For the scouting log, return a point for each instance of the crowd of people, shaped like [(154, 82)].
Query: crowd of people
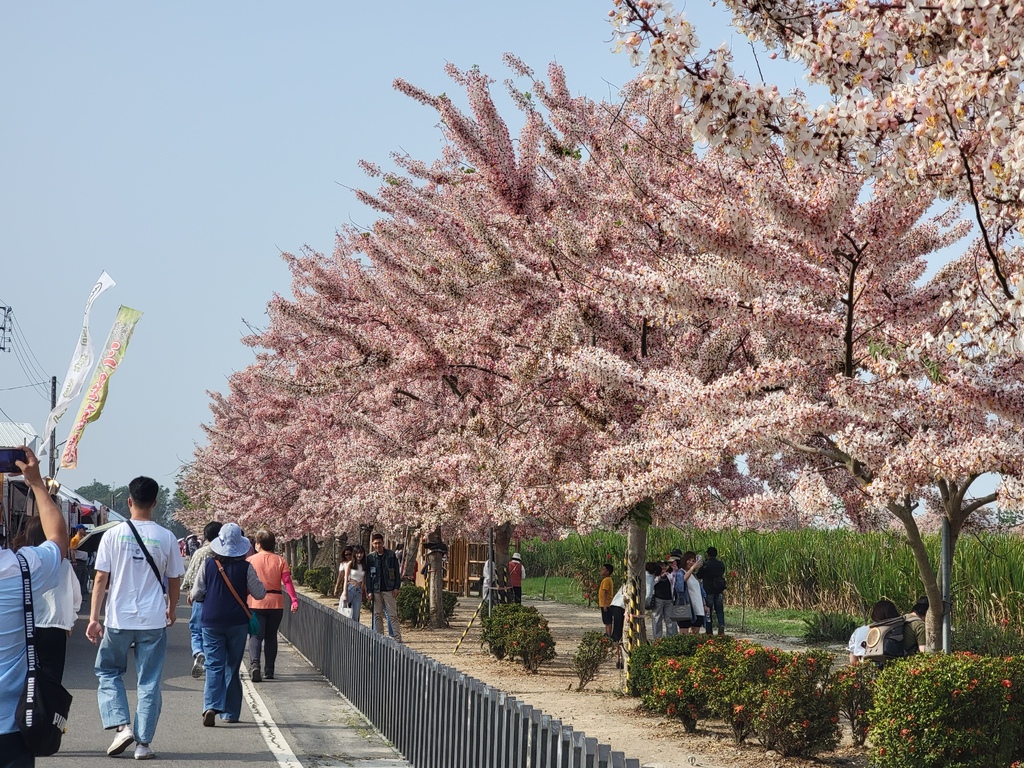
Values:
[(373, 578), (235, 589)]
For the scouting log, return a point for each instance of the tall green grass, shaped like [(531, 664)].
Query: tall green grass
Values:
[(819, 570)]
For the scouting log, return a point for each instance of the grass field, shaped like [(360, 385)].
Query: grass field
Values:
[(773, 621)]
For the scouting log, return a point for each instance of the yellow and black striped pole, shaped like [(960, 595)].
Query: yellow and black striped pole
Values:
[(634, 617), (468, 627), (423, 613)]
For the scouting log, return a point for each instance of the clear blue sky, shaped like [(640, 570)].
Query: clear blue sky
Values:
[(182, 146)]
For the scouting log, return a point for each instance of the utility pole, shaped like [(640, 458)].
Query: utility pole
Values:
[(53, 433), (5, 329)]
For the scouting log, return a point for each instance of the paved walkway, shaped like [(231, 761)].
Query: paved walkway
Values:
[(297, 719)]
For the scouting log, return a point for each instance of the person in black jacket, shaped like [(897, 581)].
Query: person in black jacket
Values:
[(712, 577), (383, 578)]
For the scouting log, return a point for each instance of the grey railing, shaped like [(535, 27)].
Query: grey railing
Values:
[(436, 716)]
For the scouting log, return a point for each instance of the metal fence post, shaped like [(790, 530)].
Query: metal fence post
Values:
[(433, 714)]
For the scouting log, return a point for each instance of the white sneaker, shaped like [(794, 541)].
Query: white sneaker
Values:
[(122, 740), (143, 752), (199, 666)]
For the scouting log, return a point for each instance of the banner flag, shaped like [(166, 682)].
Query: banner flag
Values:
[(96, 394), (81, 362)]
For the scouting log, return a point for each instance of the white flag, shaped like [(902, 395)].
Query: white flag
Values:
[(81, 364)]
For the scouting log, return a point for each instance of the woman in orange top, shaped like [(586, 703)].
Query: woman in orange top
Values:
[(275, 575)]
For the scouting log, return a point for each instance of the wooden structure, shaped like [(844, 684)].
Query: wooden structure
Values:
[(463, 568)]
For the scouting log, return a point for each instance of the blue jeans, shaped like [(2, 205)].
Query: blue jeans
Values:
[(195, 627), (112, 663), (224, 648), (355, 599), (717, 605)]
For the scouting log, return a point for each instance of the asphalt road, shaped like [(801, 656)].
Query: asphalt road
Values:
[(297, 719)]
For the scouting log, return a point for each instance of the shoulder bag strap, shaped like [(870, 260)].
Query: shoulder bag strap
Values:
[(149, 557), (231, 586), (30, 622)]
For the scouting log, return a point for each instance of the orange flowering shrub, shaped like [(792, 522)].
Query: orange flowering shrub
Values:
[(518, 632), (799, 713), (934, 711), (676, 691), (732, 674), (854, 688)]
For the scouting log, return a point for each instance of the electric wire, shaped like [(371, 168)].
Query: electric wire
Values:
[(19, 356), (30, 366), (22, 386), (38, 366)]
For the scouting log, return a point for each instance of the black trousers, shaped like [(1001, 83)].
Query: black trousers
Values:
[(270, 622), (14, 753), (52, 646)]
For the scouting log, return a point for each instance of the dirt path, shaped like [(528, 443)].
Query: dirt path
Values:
[(601, 710)]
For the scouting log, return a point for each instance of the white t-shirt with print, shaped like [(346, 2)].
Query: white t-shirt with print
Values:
[(136, 599)]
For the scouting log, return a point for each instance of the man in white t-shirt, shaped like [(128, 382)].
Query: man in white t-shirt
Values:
[(139, 610)]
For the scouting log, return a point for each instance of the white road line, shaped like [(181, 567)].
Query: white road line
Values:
[(271, 733)]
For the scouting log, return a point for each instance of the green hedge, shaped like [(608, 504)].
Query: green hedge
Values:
[(784, 698), (320, 579), (413, 610), (518, 632), (643, 658), (594, 650), (957, 711)]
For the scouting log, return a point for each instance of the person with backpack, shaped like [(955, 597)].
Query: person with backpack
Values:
[(888, 635), (712, 577)]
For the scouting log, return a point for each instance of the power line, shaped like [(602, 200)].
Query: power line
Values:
[(23, 386), (12, 337), (38, 365), (19, 356)]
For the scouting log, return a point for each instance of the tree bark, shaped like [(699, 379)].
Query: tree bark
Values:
[(410, 551), (925, 571), (635, 629), (502, 539), (435, 580)]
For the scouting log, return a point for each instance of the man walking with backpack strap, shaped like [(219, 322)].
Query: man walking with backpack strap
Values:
[(134, 559)]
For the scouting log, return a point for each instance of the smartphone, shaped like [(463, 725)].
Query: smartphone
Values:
[(7, 458)]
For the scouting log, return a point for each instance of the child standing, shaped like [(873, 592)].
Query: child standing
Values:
[(605, 592)]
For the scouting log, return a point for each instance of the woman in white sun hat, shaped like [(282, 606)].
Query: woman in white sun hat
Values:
[(223, 585), (516, 574)]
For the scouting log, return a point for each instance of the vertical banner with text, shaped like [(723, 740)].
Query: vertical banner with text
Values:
[(96, 394), (81, 362)]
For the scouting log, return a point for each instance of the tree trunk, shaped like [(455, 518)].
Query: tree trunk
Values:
[(502, 539), (290, 554), (435, 581), (926, 572), (410, 551), (635, 629), (312, 549)]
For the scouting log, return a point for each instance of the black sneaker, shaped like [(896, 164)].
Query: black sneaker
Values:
[(254, 673)]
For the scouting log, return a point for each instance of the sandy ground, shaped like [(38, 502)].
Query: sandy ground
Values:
[(601, 710)]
